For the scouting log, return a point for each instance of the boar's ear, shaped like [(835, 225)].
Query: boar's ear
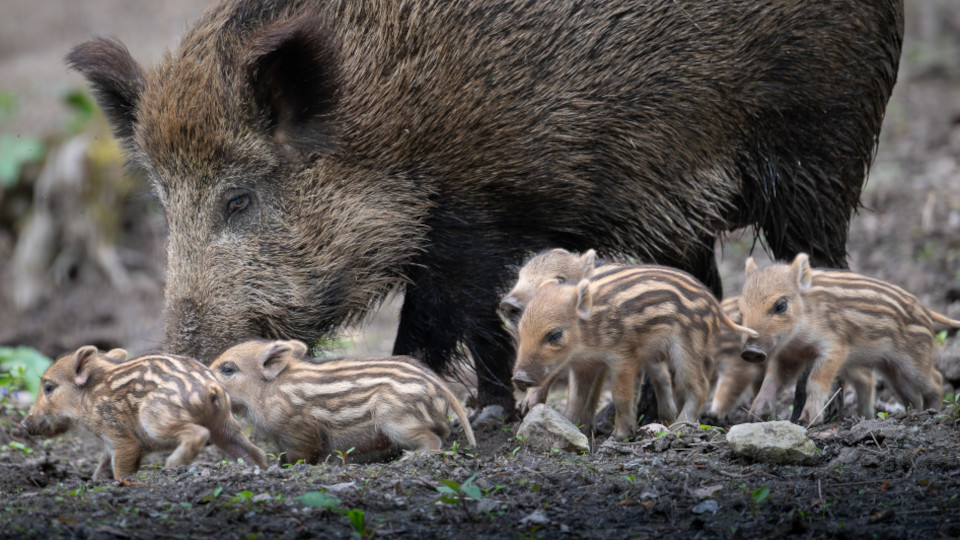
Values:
[(116, 78), (584, 299), (117, 355), (801, 269), (751, 266), (82, 364), (588, 261), (273, 359), (292, 67)]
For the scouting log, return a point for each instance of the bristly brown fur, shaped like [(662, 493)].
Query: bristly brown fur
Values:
[(427, 145)]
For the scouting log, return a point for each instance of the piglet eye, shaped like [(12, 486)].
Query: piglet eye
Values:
[(228, 369), (48, 388), (554, 337), (780, 306), (238, 204), (560, 279)]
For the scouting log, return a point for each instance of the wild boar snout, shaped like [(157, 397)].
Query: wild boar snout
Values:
[(753, 352)]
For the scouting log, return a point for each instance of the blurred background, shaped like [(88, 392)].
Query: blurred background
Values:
[(81, 241)]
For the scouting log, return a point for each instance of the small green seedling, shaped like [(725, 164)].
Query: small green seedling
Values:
[(759, 495), (882, 415), (343, 455)]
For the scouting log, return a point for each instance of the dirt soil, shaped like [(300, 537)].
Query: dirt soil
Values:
[(897, 477)]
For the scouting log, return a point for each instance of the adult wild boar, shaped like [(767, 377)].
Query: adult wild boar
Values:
[(312, 156)]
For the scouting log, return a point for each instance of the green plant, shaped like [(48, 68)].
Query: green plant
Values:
[(759, 495), (21, 369), (14, 445), (15, 149), (343, 455), (321, 499), (452, 492), (631, 478), (357, 519), (882, 415), (942, 337)]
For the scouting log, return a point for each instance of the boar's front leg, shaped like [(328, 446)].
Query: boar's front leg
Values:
[(452, 304)]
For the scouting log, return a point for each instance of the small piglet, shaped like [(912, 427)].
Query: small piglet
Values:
[(630, 320), (556, 266), (842, 324), (151, 403), (375, 405)]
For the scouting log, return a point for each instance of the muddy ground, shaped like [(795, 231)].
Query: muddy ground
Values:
[(893, 478)]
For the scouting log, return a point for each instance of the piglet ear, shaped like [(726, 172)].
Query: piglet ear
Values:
[(274, 357), (584, 299), (82, 364), (751, 267), (117, 81), (292, 67), (803, 272), (117, 355), (588, 261)]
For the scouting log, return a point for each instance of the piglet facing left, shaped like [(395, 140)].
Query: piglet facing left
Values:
[(376, 406), (151, 403)]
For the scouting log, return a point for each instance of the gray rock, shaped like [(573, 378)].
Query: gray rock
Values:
[(708, 505), (545, 428), (778, 442)]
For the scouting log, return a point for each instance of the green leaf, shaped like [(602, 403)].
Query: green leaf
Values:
[(448, 490), (15, 152), (83, 107), (473, 491), (356, 518), (25, 365), (217, 492), (319, 499), (759, 495), (449, 500)]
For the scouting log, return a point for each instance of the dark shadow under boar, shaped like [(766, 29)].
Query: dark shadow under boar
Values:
[(312, 157)]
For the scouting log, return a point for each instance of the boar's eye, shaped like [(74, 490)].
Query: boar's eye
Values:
[(780, 306), (238, 204), (228, 369), (560, 279), (48, 388), (554, 337)]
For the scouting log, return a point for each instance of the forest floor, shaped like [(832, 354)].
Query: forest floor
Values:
[(897, 477)]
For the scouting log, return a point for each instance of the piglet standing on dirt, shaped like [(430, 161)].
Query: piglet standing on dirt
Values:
[(374, 405), (560, 266), (629, 320), (838, 322), (151, 403)]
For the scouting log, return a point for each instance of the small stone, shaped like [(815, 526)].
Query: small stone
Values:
[(779, 442), (537, 517), (703, 507), (546, 429), (652, 429)]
